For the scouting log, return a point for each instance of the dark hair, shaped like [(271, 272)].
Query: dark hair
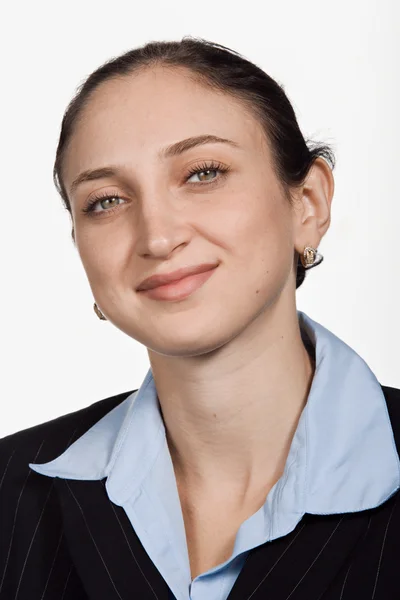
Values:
[(224, 70)]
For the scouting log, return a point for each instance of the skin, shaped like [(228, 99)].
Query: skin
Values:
[(231, 371)]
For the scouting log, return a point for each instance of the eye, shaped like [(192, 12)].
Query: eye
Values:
[(207, 168), (98, 199)]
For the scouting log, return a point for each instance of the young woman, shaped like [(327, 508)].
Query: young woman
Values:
[(258, 457)]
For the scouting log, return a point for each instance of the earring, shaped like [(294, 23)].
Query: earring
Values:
[(310, 257), (98, 312)]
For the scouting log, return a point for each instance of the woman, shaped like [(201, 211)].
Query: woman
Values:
[(257, 459)]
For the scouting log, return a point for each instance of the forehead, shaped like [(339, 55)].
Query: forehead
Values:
[(138, 114)]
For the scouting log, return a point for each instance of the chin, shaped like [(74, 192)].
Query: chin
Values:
[(188, 330), (184, 343), (182, 348)]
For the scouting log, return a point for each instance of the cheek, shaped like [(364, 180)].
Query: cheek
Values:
[(103, 255), (258, 230)]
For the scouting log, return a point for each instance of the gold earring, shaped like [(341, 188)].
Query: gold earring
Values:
[(98, 312), (310, 257)]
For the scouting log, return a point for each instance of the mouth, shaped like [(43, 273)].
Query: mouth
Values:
[(180, 289)]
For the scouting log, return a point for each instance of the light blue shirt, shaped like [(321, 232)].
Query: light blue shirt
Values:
[(342, 459)]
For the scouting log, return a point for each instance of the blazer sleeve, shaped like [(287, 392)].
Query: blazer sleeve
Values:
[(35, 563), (34, 560)]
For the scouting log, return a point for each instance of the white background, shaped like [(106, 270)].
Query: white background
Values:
[(339, 65)]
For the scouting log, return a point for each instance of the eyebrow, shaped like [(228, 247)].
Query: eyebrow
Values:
[(168, 152)]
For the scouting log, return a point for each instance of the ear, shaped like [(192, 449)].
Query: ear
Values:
[(312, 206)]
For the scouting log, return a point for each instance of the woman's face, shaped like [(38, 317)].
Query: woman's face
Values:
[(161, 218)]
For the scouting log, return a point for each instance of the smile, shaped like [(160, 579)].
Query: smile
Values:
[(178, 290)]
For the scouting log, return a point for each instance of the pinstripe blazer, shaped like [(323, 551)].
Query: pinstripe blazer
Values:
[(64, 539)]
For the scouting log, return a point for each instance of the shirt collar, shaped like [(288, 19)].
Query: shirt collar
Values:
[(342, 458)]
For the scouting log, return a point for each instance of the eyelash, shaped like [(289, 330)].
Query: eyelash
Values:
[(212, 166)]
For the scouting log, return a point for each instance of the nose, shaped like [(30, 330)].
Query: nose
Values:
[(161, 230)]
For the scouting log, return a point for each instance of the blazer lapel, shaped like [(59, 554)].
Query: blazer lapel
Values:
[(303, 564), (107, 554)]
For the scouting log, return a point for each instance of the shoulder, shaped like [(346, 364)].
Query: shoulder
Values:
[(29, 505), (46, 441)]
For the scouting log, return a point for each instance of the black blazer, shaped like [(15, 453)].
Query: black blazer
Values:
[(65, 540)]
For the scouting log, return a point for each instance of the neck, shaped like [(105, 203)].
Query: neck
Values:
[(230, 416)]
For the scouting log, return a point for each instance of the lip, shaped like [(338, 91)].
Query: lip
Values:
[(179, 289), (162, 279)]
